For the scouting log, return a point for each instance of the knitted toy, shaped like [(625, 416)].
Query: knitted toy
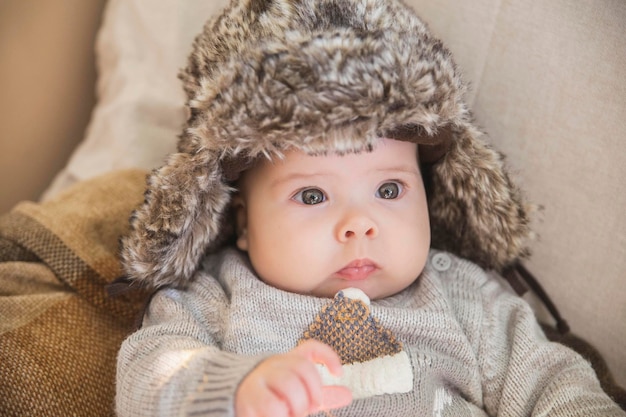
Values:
[(373, 360)]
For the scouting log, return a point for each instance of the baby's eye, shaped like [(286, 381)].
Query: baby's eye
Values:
[(389, 190), (310, 196)]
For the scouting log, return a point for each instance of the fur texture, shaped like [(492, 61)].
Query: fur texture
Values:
[(320, 76)]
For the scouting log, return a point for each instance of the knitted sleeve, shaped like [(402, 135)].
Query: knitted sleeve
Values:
[(173, 365), (527, 375)]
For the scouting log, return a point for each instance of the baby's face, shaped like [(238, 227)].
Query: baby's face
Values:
[(318, 224)]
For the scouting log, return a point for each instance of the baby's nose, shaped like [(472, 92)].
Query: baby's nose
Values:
[(356, 226)]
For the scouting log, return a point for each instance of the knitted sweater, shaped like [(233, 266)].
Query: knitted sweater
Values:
[(454, 343)]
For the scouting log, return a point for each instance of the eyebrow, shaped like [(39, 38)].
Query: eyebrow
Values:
[(409, 169), (294, 176)]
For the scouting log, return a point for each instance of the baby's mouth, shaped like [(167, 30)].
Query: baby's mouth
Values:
[(357, 270)]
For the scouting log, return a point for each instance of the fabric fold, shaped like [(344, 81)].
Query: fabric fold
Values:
[(60, 331)]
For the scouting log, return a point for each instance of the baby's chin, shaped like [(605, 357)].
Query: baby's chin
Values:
[(374, 291), (375, 287)]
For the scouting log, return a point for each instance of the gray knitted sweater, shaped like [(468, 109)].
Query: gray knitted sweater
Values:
[(455, 343)]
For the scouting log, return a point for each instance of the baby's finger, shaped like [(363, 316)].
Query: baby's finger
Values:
[(293, 392), (261, 403), (311, 380), (319, 352), (335, 396)]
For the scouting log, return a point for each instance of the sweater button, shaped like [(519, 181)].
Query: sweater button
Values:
[(441, 262)]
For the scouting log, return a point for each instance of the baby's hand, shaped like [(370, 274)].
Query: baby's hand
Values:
[(289, 385)]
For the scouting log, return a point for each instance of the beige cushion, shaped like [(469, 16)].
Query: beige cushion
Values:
[(548, 85), (141, 47)]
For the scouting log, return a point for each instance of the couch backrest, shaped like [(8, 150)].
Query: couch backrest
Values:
[(548, 84)]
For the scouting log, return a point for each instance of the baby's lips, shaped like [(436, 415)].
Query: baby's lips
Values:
[(357, 270)]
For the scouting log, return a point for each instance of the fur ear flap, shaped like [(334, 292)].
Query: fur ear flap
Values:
[(183, 212), (476, 211)]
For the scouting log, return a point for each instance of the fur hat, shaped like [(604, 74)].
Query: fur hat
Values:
[(320, 76)]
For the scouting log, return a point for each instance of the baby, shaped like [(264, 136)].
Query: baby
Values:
[(321, 239)]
